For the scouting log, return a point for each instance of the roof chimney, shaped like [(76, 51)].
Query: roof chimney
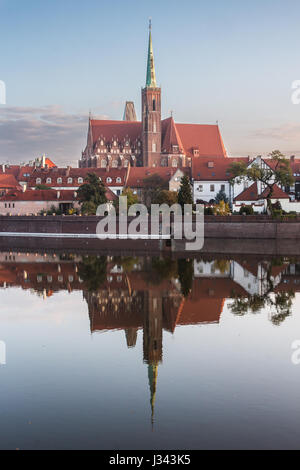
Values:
[(3, 168)]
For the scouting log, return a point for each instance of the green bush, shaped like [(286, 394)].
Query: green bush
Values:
[(208, 211), (248, 210)]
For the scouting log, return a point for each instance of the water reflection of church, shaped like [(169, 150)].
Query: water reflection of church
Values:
[(131, 295)]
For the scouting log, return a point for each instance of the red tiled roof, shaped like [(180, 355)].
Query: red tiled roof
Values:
[(201, 170), (8, 181), (75, 173), (277, 193), (249, 194), (205, 138), (49, 163), (136, 175), (170, 136), (115, 129), (40, 195)]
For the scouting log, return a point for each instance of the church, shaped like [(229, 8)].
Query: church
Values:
[(153, 141)]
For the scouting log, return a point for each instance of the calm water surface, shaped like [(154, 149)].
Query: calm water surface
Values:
[(137, 353)]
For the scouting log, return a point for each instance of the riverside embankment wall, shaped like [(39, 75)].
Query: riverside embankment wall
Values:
[(238, 227)]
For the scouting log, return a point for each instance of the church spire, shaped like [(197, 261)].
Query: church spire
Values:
[(151, 79)]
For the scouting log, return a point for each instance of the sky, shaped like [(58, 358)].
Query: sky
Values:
[(233, 62)]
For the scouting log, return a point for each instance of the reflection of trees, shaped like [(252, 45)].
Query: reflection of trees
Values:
[(127, 262), (185, 275), (280, 302), (92, 270), (221, 265), (159, 269)]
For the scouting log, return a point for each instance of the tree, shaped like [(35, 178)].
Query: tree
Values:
[(221, 196), (42, 186), (185, 275), (280, 302), (166, 197), (276, 172), (185, 192), (222, 208), (131, 199), (153, 184), (92, 270), (91, 194)]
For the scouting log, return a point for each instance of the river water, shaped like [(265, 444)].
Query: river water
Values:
[(107, 352)]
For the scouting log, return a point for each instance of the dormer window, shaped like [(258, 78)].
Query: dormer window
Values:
[(80, 180), (70, 181), (59, 180), (38, 181), (49, 181), (119, 180), (108, 180)]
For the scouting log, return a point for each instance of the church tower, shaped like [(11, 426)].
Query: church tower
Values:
[(151, 113)]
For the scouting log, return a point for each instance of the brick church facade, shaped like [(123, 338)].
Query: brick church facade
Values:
[(152, 142)]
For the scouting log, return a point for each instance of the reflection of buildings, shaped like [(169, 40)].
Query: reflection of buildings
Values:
[(129, 299)]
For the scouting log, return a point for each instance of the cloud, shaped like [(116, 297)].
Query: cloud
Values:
[(27, 132), (289, 132)]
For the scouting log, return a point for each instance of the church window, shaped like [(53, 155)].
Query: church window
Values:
[(103, 163), (174, 163), (154, 105), (153, 147), (114, 164), (126, 163), (101, 142), (154, 126)]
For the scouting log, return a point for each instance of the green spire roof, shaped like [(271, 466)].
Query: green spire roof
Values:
[(151, 79)]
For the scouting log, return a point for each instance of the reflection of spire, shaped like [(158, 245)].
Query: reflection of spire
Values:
[(131, 337), (152, 376)]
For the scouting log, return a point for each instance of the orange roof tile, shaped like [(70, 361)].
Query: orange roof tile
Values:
[(213, 169)]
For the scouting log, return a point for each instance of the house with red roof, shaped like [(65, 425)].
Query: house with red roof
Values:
[(153, 141), (31, 202), (251, 196), (7, 183), (212, 175)]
